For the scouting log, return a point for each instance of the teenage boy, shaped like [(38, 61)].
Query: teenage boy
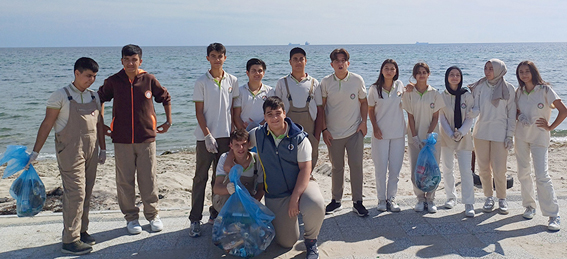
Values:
[(74, 111), (133, 131), (248, 106), (214, 94), (302, 98), (285, 154), (344, 127), (252, 176)]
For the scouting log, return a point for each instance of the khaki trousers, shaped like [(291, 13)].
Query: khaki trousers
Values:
[(312, 209), (136, 161), (354, 146), (491, 157)]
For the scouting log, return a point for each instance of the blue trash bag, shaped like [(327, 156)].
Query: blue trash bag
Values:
[(427, 174), (27, 189), (244, 225), (17, 159)]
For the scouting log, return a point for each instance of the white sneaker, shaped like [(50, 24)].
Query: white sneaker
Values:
[(488, 204), (554, 223), (469, 210), (382, 205), (420, 206), (431, 208), (450, 203), (529, 213), (502, 206), (156, 224), (134, 227), (394, 207)]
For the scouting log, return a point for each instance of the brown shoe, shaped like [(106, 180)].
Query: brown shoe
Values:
[(87, 239)]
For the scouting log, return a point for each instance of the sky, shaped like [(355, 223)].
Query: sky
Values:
[(79, 23)]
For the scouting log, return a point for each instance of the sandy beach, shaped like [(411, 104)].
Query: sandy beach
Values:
[(176, 170)]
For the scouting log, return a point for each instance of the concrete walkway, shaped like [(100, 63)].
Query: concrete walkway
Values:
[(407, 234)]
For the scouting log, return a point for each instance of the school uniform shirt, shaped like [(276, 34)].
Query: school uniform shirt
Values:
[(217, 98), (342, 109), (494, 123), (58, 100), (304, 148), (251, 104), (299, 93), (388, 110), (247, 172), (448, 112), (535, 104), (422, 107)]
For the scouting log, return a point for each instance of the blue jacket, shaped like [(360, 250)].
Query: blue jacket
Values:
[(280, 163)]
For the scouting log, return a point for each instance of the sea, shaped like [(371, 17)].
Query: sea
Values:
[(29, 75)]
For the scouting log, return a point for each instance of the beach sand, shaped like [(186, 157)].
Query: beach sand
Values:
[(176, 170)]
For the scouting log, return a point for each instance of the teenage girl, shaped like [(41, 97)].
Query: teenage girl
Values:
[(456, 138), (493, 131), (422, 105), (389, 126), (534, 101)]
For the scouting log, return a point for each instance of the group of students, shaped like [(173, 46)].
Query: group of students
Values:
[(283, 125)]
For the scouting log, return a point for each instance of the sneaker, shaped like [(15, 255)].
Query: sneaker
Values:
[(529, 213), (156, 224), (419, 207), (450, 203), (87, 239), (554, 223), (134, 227), (359, 209), (431, 208), (394, 207), (333, 206), (469, 210), (502, 206), (312, 250), (488, 205), (382, 205), (76, 248), (195, 229)]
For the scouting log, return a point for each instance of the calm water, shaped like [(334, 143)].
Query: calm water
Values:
[(29, 75)]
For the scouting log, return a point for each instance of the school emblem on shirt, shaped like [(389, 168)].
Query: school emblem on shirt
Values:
[(540, 105), (432, 105), (290, 147), (352, 96), (148, 94), (463, 105), (264, 98), (230, 89), (92, 113)]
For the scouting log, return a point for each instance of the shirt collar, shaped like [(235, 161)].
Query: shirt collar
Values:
[(344, 79), (308, 77), (280, 136), (75, 89)]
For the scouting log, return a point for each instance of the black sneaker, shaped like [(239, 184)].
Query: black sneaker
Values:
[(76, 248), (87, 239), (359, 209), (312, 250), (332, 206)]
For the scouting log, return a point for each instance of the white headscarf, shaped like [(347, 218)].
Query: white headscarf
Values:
[(500, 88)]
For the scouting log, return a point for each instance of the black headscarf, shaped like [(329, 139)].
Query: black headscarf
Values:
[(460, 91)]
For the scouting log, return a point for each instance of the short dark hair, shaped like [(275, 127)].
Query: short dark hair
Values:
[(216, 47), (85, 63), (131, 50), (336, 52), (273, 102), (239, 135), (295, 51), (255, 61)]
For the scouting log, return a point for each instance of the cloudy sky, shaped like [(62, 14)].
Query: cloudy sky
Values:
[(58, 23)]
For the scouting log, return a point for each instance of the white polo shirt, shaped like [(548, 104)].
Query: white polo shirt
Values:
[(467, 102), (250, 104), (342, 109), (58, 100), (388, 110), (217, 98), (422, 107), (536, 104), (494, 123), (299, 93), (304, 148), (247, 172)]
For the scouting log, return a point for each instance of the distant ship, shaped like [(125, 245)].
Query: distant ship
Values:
[(421, 43), (306, 43), (293, 44)]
